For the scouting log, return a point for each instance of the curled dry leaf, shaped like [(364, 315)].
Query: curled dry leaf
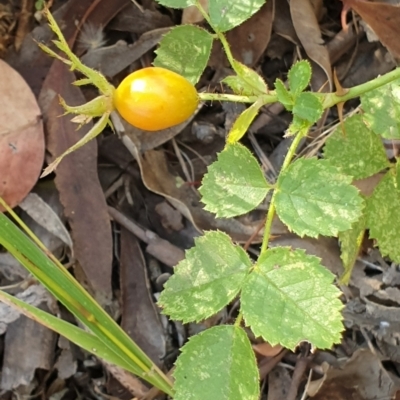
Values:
[(21, 137), (383, 18)]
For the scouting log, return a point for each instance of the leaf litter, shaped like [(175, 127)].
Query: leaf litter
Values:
[(128, 205)]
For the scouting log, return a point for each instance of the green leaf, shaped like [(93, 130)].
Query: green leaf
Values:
[(234, 184), (355, 149), (185, 50), (81, 338), (176, 3), (299, 77), (207, 280), (247, 82), (243, 122), (308, 106), (283, 94), (382, 110), (55, 278), (239, 86), (383, 217), (313, 198), (227, 14), (290, 297), (218, 363), (350, 243)]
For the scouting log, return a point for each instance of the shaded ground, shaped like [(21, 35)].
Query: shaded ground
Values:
[(110, 213)]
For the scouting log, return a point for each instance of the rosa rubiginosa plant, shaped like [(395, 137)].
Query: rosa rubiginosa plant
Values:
[(286, 295)]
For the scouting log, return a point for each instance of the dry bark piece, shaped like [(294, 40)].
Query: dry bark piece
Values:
[(21, 137), (140, 318)]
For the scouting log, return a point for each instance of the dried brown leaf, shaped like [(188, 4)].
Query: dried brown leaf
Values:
[(308, 31), (21, 137), (383, 18)]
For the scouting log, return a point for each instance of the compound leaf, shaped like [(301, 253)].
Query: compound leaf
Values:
[(183, 43), (313, 198), (290, 297), (207, 280), (355, 149), (234, 184), (218, 363), (383, 217)]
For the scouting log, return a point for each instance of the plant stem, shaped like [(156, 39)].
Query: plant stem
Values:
[(266, 99), (271, 210), (331, 99), (221, 37)]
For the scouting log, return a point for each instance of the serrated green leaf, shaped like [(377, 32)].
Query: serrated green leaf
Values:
[(283, 94), (308, 106), (313, 198), (176, 3), (234, 184), (355, 149), (243, 122), (299, 76), (226, 14), (218, 363), (247, 82), (207, 280), (383, 217), (350, 243), (185, 50), (290, 297), (382, 110)]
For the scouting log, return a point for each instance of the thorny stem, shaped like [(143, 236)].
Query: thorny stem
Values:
[(331, 99)]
